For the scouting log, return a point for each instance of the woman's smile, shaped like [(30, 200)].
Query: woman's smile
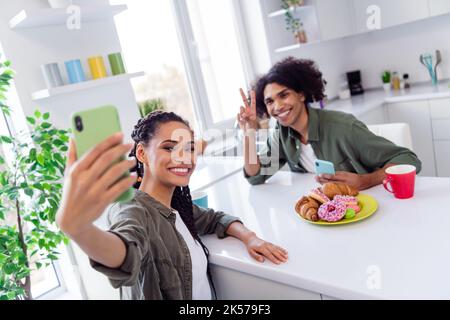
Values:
[(181, 171)]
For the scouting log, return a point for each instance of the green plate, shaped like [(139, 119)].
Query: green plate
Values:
[(368, 207)]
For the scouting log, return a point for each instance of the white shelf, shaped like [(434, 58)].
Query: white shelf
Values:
[(283, 11), (295, 46), (71, 88), (49, 17)]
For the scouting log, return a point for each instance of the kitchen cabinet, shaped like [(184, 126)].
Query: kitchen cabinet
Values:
[(330, 19), (417, 115), (438, 7), (442, 158), (441, 129), (440, 121), (392, 13), (233, 285), (440, 109), (335, 18)]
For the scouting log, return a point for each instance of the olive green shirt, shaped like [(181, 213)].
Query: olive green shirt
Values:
[(336, 137), (157, 264)]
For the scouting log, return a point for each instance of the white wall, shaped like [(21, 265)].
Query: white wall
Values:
[(331, 58), (253, 20), (398, 49), (29, 48)]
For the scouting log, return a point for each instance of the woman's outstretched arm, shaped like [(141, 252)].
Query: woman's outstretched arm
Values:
[(91, 184)]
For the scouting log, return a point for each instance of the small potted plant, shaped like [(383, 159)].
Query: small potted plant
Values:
[(148, 106), (386, 77), (293, 3), (294, 24)]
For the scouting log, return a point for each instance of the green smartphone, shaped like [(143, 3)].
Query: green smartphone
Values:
[(90, 127)]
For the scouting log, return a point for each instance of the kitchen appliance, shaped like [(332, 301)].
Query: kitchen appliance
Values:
[(354, 82)]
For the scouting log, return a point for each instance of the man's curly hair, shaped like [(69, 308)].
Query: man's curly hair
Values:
[(297, 74)]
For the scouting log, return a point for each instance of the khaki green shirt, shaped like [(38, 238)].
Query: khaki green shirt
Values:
[(157, 264), (334, 136)]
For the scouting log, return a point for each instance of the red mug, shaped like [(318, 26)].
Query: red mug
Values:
[(402, 179)]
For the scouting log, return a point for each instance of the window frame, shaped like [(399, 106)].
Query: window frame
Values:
[(189, 50)]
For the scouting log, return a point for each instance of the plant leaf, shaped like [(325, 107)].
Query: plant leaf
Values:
[(31, 120), (46, 125), (29, 192), (6, 139), (40, 159)]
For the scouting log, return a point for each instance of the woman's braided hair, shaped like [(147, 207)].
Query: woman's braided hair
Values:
[(143, 132)]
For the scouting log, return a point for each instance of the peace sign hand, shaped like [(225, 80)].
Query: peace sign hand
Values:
[(247, 118)]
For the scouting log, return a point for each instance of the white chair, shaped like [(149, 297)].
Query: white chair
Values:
[(398, 133)]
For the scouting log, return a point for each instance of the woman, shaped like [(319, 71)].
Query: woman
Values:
[(153, 249)]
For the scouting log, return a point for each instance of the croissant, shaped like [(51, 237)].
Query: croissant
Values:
[(333, 189), (307, 208)]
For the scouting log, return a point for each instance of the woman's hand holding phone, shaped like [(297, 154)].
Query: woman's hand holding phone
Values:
[(92, 183)]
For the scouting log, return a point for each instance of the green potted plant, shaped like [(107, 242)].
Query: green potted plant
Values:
[(30, 193), (148, 106), (294, 24), (386, 78)]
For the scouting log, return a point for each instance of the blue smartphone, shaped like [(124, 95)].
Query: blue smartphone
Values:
[(324, 167)]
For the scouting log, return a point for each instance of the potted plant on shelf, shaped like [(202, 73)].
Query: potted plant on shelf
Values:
[(293, 3), (148, 106), (30, 193), (386, 78), (294, 24)]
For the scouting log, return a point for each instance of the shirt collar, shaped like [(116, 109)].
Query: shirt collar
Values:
[(313, 126), (166, 212)]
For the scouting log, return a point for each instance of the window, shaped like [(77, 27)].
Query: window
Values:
[(214, 24), (192, 53), (215, 55), (149, 42), (46, 280)]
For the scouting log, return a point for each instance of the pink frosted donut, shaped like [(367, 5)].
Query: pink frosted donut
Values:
[(332, 211), (348, 200)]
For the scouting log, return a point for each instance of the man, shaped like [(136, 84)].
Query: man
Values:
[(304, 134)]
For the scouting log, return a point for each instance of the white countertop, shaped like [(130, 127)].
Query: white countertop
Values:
[(375, 98), (408, 241), (210, 170)]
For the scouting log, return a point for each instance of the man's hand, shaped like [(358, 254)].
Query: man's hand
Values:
[(352, 179), (247, 117), (358, 181)]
